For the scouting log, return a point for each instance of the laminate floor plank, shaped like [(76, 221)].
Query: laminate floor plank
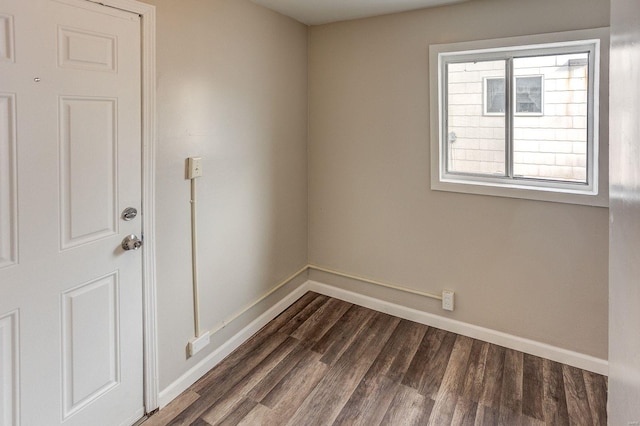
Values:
[(408, 408), (324, 361), (443, 409), (492, 381), (285, 398), (452, 384), (234, 397), (576, 394), (240, 412), (456, 371), (172, 409), (473, 384), (486, 416), (430, 362), (333, 344), (226, 376), (532, 387), (259, 415), (324, 403), (397, 354), (305, 313), (465, 412), (512, 382), (369, 402), (321, 321), (239, 356), (289, 313), (278, 373), (509, 417), (554, 399), (596, 387)]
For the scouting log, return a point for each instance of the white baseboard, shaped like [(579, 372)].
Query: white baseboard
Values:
[(510, 341), (196, 372)]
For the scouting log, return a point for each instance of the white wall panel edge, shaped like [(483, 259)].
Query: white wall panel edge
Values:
[(510, 341)]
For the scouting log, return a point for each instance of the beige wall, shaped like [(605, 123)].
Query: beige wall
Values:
[(534, 269), (232, 88)]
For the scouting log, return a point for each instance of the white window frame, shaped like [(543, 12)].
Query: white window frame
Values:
[(595, 191)]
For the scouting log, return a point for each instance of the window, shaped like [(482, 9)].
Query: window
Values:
[(528, 99), (518, 121)]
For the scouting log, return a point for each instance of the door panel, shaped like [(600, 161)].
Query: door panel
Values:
[(90, 337), (88, 170), (86, 50), (70, 125), (8, 206), (8, 369), (6, 38)]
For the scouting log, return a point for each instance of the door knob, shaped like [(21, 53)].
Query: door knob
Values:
[(131, 242)]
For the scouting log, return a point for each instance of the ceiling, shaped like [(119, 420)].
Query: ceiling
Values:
[(315, 12)]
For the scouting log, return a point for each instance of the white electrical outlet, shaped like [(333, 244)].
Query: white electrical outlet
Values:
[(447, 300), (194, 167), (198, 344)]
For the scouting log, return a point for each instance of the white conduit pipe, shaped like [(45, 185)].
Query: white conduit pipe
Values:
[(239, 313), (378, 283), (194, 261), (305, 268)]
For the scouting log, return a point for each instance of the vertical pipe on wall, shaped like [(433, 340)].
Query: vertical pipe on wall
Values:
[(194, 259)]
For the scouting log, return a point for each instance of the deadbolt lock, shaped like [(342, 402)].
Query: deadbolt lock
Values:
[(129, 213)]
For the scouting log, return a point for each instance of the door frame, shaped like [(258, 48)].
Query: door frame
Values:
[(147, 15)]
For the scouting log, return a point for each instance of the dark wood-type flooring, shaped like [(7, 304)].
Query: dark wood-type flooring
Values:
[(324, 361)]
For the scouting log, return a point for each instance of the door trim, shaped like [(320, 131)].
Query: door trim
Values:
[(149, 309)]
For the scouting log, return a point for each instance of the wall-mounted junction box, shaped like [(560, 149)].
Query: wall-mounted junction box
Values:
[(194, 167), (447, 300)]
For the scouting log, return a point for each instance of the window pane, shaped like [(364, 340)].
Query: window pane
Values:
[(495, 96), (550, 125), (476, 139), (529, 95)]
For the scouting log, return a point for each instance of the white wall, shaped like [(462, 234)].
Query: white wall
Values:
[(533, 269), (232, 88), (624, 291)]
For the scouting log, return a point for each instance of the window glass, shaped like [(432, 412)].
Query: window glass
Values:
[(553, 145), (495, 95), (475, 140), (529, 95)]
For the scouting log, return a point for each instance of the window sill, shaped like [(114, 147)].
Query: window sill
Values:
[(521, 191)]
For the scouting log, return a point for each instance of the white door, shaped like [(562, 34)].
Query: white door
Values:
[(70, 163)]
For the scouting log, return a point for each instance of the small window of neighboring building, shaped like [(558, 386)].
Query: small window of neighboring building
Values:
[(528, 95), (518, 117)]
